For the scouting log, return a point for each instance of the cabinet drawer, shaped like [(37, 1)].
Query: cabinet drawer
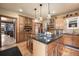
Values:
[(70, 52)]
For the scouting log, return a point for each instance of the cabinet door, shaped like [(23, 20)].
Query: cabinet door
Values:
[(71, 40), (0, 31), (29, 21), (52, 49), (21, 28), (70, 52), (67, 39), (59, 46), (75, 40)]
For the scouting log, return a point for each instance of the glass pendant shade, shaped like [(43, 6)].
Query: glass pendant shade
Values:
[(49, 16), (41, 18), (40, 13), (36, 20)]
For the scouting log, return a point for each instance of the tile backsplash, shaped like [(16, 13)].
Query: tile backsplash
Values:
[(76, 31)]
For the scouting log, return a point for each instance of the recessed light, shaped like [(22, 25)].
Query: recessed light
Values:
[(20, 10), (53, 12)]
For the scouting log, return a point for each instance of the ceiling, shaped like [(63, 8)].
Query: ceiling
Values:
[(28, 8)]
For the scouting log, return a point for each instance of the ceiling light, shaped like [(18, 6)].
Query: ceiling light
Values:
[(36, 20), (53, 12), (49, 15), (20, 10), (40, 12), (41, 18)]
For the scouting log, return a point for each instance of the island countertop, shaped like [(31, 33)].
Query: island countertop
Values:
[(55, 37)]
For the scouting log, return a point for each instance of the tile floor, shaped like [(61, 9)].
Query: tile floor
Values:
[(7, 40)]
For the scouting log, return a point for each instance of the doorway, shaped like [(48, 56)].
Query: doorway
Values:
[(8, 31)]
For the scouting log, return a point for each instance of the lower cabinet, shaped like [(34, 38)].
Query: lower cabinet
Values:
[(39, 48), (42, 49), (67, 44), (68, 51), (52, 49), (71, 40)]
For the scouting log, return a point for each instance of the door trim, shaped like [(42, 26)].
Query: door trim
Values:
[(15, 26), (0, 32)]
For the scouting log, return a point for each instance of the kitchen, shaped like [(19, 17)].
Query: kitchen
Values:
[(57, 35)]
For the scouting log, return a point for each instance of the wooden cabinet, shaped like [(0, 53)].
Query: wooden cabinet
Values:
[(64, 49), (59, 23), (67, 39), (71, 40), (28, 21), (52, 49), (21, 28), (51, 25), (0, 31), (70, 52), (59, 47), (42, 49), (39, 48), (23, 22), (37, 28), (75, 41)]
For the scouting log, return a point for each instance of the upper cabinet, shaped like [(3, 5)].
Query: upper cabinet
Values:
[(59, 23), (25, 24), (28, 21), (51, 25)]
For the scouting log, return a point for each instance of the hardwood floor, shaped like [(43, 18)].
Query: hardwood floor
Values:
[(23, 48)]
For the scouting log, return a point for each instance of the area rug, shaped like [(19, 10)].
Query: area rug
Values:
[(14, 51)]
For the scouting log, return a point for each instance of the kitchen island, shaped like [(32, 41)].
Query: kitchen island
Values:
[(42, 47)]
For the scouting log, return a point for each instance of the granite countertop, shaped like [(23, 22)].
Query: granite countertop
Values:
[(55, 37)]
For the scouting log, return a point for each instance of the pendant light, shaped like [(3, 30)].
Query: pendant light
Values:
[(40, 12), (49, 15), (36, 20)]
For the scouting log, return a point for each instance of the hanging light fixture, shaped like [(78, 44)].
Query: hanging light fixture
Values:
[(49, 15), (36, 20), (40, 12)]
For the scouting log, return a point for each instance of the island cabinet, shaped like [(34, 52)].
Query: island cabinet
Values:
[(52, 49), (43, 49)]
